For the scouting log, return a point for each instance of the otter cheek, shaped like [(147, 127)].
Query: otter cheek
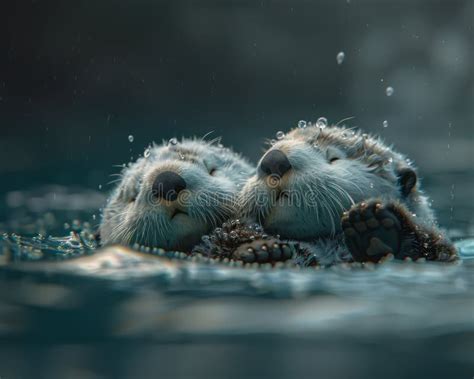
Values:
[(188, 232), (281, 220)]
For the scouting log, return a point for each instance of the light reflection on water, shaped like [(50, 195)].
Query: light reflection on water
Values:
[(146, 310)]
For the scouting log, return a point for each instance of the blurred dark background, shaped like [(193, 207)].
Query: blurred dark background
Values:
[(77, 78)]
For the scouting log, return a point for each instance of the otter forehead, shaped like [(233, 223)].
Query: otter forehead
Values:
[(177, 156), (354, 144)]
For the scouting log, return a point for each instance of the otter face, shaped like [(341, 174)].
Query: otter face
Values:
[(306, 180), (173, 195)]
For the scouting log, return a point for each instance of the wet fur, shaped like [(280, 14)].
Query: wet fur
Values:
[(214, 175), (365, 169)]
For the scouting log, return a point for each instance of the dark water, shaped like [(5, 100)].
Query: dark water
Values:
[(117, 313)]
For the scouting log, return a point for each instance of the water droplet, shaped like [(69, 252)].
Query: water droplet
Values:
[(385, 124), (301, 124), (100, 186), (390, 159), (147, 153), (131, 138), (389, 91), (340, 57), (93, 217), (371, 185), (322, 122), (280, 135), (173, 141)]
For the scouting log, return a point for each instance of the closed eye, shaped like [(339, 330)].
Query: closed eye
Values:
[(333, 154)]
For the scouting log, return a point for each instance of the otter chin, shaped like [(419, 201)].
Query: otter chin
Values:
[(174, 194)]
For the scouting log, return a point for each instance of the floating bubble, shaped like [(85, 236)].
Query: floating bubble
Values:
[(280, 135), (301, 124), (322, 122), (389, 91), (131, 138), (385, 124), (100, 186), (272, 142), (173, 141), (147, 153), (340, 57)]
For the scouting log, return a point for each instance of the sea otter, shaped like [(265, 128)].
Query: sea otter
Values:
[(174, 194), (342, 196)]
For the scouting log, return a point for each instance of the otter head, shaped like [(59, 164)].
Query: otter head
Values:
[(174, 194), (309, 177)]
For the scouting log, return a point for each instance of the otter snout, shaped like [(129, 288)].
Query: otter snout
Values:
[(275, 162), (168, 185)]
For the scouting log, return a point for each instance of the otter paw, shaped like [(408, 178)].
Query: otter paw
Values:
[(372, 231), (263, 251)]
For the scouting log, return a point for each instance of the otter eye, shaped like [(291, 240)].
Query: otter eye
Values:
[(333, 154), (132, 199), (212, 171)]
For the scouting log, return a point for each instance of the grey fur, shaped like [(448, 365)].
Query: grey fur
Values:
[(332, 169), (213, 174)]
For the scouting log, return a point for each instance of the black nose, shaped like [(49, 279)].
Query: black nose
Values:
[(167, 185), (275, 162)]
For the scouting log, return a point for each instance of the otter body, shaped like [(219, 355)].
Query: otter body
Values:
[(340, 196), (174, 194)]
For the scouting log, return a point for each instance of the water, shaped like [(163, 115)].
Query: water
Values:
[(115, 310), (340, 57)]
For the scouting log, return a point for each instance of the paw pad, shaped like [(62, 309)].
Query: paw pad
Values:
[(371, 231), (263, 251)]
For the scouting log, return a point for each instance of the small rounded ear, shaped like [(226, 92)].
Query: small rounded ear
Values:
[(406, 180)]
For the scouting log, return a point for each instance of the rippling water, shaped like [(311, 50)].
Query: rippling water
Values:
[(111, 312)]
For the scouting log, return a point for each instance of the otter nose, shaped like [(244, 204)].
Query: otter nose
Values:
[(275, 162), (167, 185)]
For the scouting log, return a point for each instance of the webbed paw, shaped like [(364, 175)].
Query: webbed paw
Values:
[(372, 230), (269, 250)]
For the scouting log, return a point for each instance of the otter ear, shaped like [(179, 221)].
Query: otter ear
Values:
[(406, 180)]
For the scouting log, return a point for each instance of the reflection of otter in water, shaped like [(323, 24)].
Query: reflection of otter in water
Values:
[(174, 194), (346, 194)]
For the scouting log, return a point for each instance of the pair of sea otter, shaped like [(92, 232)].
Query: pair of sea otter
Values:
[(319, 195)]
